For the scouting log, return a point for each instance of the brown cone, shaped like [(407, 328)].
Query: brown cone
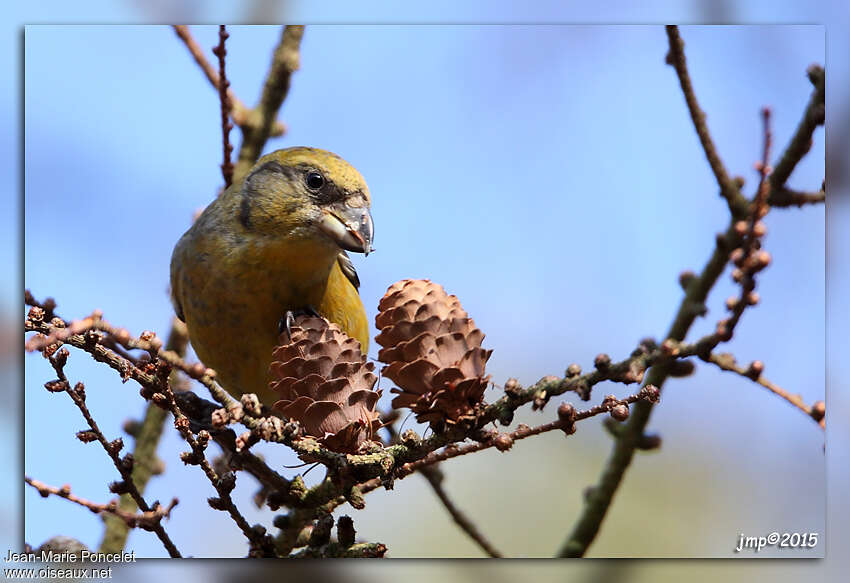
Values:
[(326, 384), (433, 352)]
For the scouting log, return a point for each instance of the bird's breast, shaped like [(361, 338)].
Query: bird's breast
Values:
[(234, 296)]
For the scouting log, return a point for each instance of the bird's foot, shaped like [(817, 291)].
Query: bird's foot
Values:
[(288, 320)]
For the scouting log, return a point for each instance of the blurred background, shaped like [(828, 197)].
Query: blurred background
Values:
[(571, 149)]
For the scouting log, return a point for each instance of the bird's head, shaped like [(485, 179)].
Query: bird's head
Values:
[(307, 194)]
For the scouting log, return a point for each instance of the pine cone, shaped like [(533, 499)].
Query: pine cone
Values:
[(325, 384), (433, 352)]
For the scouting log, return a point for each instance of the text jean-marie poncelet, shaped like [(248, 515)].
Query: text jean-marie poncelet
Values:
[(82, 556)]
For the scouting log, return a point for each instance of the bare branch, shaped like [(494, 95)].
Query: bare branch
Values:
[(801, 141), (285, 61), (261, 544), (728, 189), (503, 441), (147, 437), (435, 478), (740, 244), (726, 361), (154, 378), (239, 112), (787, 197), (125, 465), (326, 497), (148, 520), (221, 52)]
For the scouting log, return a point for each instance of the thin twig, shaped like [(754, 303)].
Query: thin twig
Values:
[(648, 394), (239, 112), (147, 440), (787, 197), (57, 331), (801, 141), (124, 465), (200, 412), (220, 51), (147, 520), (728, 189), (261, 544), (435, 478), (726, 361), (83, 334)]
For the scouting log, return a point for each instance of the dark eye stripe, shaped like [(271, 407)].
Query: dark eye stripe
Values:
[(274, 166), (325, 194)]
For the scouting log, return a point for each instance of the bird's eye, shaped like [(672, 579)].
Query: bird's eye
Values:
[(314, 180)]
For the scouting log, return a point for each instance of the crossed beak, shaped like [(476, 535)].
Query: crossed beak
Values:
[(351, 228)]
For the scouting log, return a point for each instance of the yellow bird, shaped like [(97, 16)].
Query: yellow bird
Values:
[(265, 250)]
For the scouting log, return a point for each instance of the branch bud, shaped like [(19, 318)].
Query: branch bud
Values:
[(512, 387), (86, 436), (651, 393), (818, 410), (503, 442), (649, 441), (566, 413), (620, 412), (345, 532), (602, 362), (754, 370)]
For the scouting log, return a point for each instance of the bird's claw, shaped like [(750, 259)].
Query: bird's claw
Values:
[(286, 323)]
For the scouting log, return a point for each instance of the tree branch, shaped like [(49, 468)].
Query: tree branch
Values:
[(327, 496), (504, 441), (52, 331), (148, 520), (601, 495), (239, 113), (261, 543), (125, 466), (144, 451), (728, 189), (435, 478), (801, 141), (226, 106), (726, 361), (787, 197), (285, 61)]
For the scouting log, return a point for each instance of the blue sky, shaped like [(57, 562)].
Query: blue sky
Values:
[(549, 176)]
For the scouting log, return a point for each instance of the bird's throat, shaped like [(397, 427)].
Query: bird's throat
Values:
[(304, 265)]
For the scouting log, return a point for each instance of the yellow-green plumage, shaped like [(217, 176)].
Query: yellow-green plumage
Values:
[(255, 253)]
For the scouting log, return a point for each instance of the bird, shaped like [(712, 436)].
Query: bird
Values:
[(267, 249)]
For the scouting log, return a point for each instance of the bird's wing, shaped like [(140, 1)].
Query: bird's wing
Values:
[(175, 280), (348, 269)]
